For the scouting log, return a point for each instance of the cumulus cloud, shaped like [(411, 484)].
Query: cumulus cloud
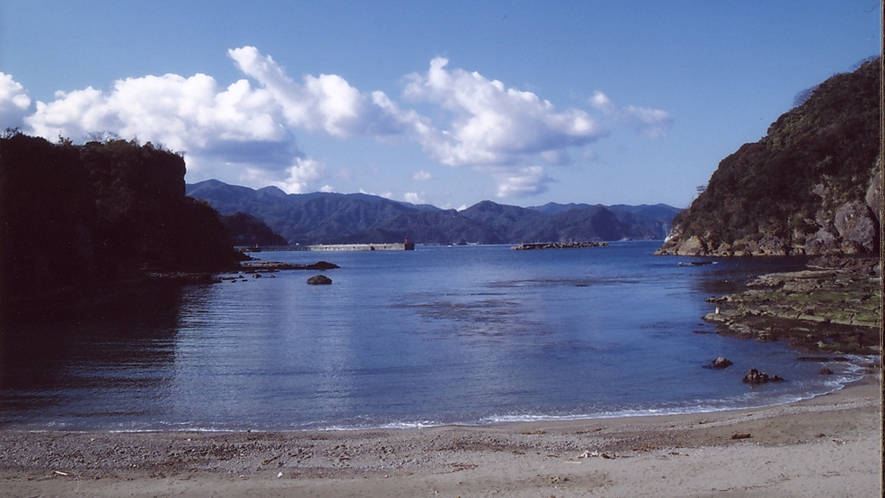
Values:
[(238, 124), (521, 182), (493, 124), (414, 198), (14, 102), (326, 102), (301, 174), (243, 127), (653, 123), (247, 130), (296, 179)]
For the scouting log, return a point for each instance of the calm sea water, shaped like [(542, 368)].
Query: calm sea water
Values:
[(441, 335)]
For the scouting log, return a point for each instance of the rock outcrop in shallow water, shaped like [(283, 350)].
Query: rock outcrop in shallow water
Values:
[(833, 306)]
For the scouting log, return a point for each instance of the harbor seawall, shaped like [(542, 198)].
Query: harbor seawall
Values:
[(398, 246)]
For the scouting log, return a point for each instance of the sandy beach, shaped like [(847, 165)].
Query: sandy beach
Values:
[(827, 446)]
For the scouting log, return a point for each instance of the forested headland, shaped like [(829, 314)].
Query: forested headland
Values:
[(811, 186), (77, 221)]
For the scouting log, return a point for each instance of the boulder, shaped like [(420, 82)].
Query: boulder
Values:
[(319, 280), (692, 247), (755, 377), (856, 226), (722, 362)]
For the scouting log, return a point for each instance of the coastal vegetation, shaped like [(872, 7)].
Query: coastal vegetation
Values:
[(811, 186), (78, 220)]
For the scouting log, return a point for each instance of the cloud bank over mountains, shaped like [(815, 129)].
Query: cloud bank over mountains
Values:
[(247, 131)]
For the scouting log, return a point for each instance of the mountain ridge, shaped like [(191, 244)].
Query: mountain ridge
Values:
[(330, 218)]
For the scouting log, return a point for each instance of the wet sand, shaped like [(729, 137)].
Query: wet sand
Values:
[(827, 446)]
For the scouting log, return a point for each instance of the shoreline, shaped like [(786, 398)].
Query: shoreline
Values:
[(824, 446), (831, 307)]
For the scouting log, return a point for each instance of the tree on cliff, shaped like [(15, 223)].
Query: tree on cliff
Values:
[(805, 188), (75, 217)]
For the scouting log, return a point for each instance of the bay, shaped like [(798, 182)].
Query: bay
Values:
[(439, 335)]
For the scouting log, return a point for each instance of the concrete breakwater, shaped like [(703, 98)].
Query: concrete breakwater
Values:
[(399, 246), (558, 245)]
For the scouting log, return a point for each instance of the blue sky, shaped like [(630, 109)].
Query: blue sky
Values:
[(439, 102)]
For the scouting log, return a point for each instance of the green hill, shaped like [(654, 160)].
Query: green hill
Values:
[(811, 186)]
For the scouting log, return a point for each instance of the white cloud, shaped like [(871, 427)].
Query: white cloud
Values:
[(522, 182), (246, 131), (653, 123), (240, 127), (296, 179), (14, 102), (238, 124), (414, 198), (324, 103), (493, 124)]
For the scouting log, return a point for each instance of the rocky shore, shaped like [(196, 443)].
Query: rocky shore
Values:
[(831, 307)]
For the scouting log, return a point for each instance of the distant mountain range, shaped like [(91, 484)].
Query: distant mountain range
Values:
[(329, 218)]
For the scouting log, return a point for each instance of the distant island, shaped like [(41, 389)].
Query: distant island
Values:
[(811, 186), (330, 218)]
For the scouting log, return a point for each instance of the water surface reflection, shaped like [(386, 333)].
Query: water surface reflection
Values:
[(65, 365)]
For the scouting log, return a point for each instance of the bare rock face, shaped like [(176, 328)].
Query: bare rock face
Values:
[(874, 194), (822, 242), (856, 226), (692, 247)]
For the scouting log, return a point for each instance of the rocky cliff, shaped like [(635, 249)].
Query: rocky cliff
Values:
[(75, 219), (811, 186)]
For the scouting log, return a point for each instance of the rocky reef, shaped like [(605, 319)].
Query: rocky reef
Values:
[(831, 307)]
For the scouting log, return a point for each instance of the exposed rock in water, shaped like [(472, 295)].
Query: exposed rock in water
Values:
[(319, 280), (558, 245), (722, 362), (267, 266), (755, 377), (831, 307)]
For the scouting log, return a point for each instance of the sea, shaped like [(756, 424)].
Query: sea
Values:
[(472, 335)]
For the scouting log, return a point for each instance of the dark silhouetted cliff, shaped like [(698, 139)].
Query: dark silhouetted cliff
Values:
[(77, 218)]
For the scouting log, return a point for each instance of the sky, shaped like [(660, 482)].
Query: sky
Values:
[(430, 102)]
